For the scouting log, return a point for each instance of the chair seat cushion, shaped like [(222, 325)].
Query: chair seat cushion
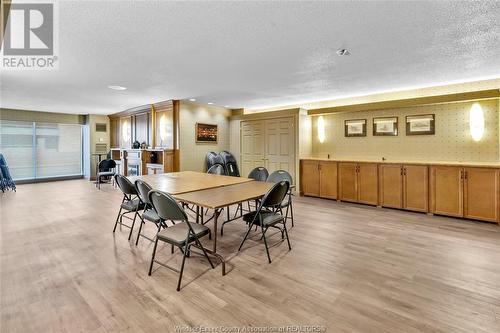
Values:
[(151, 215), (268, 218), (177, 233), (131, 205)]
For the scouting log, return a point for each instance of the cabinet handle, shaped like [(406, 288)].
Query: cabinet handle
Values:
[(401, 173), (465, 174), (404, 171), (461, 174)]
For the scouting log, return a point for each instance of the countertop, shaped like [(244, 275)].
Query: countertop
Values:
[(427, 162)]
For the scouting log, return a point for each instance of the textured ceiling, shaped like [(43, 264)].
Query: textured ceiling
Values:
[(255, 54)]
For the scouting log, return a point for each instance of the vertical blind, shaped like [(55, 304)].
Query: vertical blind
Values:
[(36, 150)]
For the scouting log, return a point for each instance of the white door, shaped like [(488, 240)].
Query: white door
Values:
[(252, 146), (280, 145), (269, 143)]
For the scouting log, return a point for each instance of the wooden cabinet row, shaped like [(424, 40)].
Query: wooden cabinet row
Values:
[(470, 192)]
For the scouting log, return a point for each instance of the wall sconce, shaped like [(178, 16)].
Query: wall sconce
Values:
[(321, 129), (476, 122)]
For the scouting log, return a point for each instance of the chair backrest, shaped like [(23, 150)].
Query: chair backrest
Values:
[(216, 169), (143, 190), (276, 194), (259, 173), (280, 175), (125, 185), (212, 159), (107, 165), (166, 207), (230, 164)]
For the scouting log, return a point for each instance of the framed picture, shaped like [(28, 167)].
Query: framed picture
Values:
[(420, 125), (385, 126), (355, 127), (206, 133)]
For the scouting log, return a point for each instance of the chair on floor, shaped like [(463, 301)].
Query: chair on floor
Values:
[(130, 203), (268, 214), (149, 213), (106, 168), (216, 169), (259, 174), (181, 235), (278, 176)]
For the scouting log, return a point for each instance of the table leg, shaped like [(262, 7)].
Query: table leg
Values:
[(215, 231), (197, 214)]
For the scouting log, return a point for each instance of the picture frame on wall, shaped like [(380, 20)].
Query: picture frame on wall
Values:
[(385, 126), (420, 124), (355, 127), (206, 133)]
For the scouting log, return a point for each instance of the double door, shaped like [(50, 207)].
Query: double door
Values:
[(358, 182), (404, 186), (269, 143)]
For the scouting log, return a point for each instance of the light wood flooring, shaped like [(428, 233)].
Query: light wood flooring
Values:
[(352, 268)]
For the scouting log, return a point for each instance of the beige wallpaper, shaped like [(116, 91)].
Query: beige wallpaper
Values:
[(192, 154), (452, 141)]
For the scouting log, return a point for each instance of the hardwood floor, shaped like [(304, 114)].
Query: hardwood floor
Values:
[(352, 268)]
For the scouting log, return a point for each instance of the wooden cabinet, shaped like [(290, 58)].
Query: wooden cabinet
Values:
[(358, 182), (481, 194), (319, 178), (328, 179), (404, 186), (470, 192), (309, 178), (447, 190), (391, 185), (416, 188), (348, 174)]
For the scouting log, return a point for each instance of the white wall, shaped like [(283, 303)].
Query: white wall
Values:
[(192, 154)]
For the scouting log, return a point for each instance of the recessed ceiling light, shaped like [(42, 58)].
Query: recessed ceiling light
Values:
[(192, 99), (210, 103), (117, 87), (343, 52)]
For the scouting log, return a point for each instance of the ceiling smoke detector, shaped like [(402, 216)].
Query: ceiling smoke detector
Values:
[(343, 52)]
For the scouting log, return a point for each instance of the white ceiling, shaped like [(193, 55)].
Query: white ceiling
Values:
[(255, 54)]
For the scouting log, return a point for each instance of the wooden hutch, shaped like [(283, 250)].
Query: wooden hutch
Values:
[(156, 128)]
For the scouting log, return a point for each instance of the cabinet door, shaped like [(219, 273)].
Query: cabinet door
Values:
[(368, 183), (309, 177), (481, 194), (447, 190), (347, 181), (391, 185), (280, 145), (328, 180), (252, 146), (416, 187)]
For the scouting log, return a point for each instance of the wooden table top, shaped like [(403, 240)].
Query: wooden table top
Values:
[(215, 198), (188, 181)]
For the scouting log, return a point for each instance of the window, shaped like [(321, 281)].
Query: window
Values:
[(41, 150)]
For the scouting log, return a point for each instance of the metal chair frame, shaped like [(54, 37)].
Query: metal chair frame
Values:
[(191, 236), (128, 195), (275, 207)]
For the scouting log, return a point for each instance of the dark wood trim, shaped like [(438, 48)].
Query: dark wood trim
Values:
[(408, 102), (132, 111)]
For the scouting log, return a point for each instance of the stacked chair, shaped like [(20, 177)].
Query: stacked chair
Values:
[(230, 164), (6, 181)]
